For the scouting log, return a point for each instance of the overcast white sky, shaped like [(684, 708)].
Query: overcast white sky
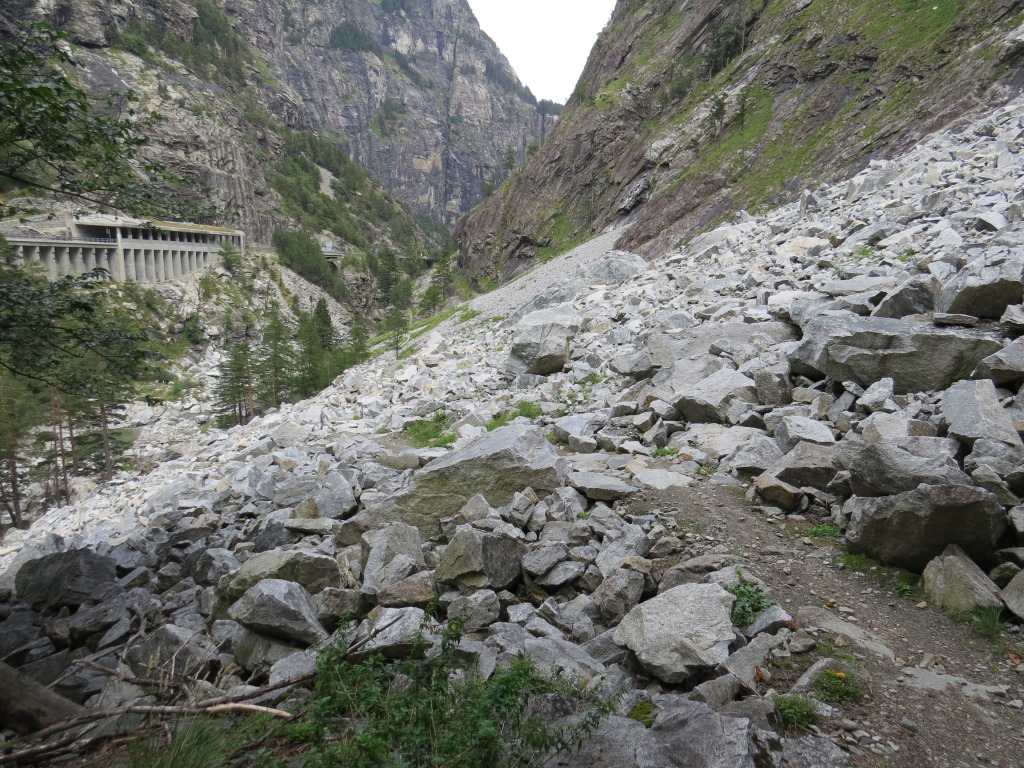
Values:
[(546, 41)]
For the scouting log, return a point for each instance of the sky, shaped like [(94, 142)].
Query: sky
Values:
[(546, 41)]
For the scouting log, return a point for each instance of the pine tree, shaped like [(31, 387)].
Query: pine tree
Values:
[(314, 361), (235, 392), (276, 362), (20, 410), (324, 324)]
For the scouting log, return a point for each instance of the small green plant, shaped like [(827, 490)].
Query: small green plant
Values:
[(905, 254), (857, 562), (988, 621), (835, 687), (195, 743), (585, 515), (750, 601), (824, 531), (643, 713), (865, 252), (660, 452), (431, 433), (796, 711), (904, 589)]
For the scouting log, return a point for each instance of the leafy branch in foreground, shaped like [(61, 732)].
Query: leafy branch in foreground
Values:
[(55, 138), (428, 710)]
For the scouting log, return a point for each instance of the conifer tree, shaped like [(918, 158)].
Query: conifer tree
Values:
[(235, 392), (276, 362), (20, 410)]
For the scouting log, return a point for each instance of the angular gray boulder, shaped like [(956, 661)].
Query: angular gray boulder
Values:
[(281, 609), (709, 399), (479, 560), (984, 288), (918, 357), (390, 554), (498, 465), (953, 581), (910, 529), (543, 340), (679, 632), (72, 578), (884, 469), (972, 411), (315, 571)]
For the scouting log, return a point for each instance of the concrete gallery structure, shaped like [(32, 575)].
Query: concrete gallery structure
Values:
[(129, 249)]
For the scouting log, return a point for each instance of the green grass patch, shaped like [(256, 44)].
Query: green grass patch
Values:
[(660, 452), (643, 713), (835, 687), (988, 622), (750, 601), (431, 433), (522, 408), (824, 531), (796, 711)]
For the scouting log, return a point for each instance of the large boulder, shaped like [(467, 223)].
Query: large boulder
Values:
[(498, 465), (709, 399), (952, 581), (73, 578), (390, 554), (479, 560), (972, 411), (917, 356), (174, 652), (281, 609), (910, 529), (1013, 595), (313, 570), (680, 632), (884, 469), (542, 341), (984, 288)]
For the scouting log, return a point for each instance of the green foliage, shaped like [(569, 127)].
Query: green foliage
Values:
[(835, 687), (857, 562), (235, 392), (865, 252), (988, 622), (428, 710), (230, 258), (904, 589), (660, 452), (906, 254), (352, 38), (386, 120), (196, 743), (300, 254), (55, 138), (824, 531), (725, 44), (796, 711), (523, 408), (499, 76), (192, 331), (643, 713), (750, 601), (431, 433)]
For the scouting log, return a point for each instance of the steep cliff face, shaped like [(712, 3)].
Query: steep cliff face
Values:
[(690, 110), (421, 96), (411, 89)]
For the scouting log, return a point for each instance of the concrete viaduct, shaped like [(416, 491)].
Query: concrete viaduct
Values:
[(129, 249)]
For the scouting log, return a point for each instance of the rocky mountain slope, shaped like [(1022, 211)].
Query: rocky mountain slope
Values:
[(819, 405), (690, 111), (412, 89)]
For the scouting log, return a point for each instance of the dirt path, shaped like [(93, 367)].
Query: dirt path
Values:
[(895, 724)]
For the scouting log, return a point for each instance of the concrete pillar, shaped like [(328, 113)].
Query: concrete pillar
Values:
[(148, 270), (179, 268), (48, 259), (75, 260)]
